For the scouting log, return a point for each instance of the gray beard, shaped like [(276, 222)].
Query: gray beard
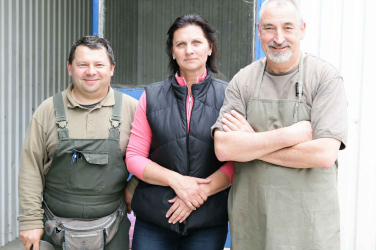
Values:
[(279, 57)]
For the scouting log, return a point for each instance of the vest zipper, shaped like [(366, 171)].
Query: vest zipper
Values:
[(188, 125)]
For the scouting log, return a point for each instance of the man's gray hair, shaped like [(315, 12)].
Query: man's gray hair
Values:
[(279, 3)]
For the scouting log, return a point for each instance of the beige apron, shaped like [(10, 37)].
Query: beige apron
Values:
[(275, 207)]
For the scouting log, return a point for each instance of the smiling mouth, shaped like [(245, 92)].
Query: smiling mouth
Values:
[(90, 81), (279, 48), (190, 59)]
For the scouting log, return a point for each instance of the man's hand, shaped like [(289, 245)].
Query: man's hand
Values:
[(31, 238), (188, 190), (179, 210), (128, 200), (235, 122)]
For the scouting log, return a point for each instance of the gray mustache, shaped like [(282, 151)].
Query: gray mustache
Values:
[(284, 44)]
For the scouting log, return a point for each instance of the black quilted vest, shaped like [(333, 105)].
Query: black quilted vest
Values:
[(188, 154)]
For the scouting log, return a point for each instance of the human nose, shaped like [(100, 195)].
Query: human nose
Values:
[(188, 49), (90, 70), (279, 37)]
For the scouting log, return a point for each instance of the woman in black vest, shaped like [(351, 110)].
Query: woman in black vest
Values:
[(181, 199)]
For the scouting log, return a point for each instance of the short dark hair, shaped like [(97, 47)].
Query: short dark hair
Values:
[(210, 35), (92, 42)]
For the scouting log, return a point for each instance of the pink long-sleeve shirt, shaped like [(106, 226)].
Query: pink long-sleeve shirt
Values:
[(141, 136)]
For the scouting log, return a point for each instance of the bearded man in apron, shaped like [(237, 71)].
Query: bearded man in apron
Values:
[(73, 154), (283, 122)]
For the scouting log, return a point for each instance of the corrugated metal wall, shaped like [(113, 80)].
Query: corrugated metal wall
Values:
[(137, 31), (342, 32), (35, 38)]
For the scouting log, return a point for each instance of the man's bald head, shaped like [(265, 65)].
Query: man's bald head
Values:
[(280, 3)]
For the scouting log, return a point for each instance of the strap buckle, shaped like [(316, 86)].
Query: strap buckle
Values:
[(115, 121), (62, 124)]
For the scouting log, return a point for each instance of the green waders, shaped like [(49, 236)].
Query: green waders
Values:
[(87, 177), (274, 207)]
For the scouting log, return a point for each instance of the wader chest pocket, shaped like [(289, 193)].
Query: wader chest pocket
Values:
[(87, 171)]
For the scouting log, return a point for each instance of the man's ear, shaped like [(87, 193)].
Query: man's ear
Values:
[(112, 69), (302, 30), (69, 67)]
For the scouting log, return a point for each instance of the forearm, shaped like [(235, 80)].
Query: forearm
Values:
[(158, 175), (31, 178), (30, 195), (245, 146), (219, 181), (132, 184), (319, 153)]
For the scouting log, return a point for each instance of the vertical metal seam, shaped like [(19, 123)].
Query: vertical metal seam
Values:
[(59, 33), (10, 132), (320, 24), (54, 58), (2, 123), (360, 121), (44, 92), (36, 49), (48, 41), (17, 125)]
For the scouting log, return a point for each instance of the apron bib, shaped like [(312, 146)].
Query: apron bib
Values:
[(87, 177), (275, 207)]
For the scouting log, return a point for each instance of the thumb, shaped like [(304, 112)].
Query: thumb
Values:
[(173, 199), (203, 181)]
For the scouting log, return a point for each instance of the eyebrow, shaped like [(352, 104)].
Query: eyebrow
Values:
[(270, 24)]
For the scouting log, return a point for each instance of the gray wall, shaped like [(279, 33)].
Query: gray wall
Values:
[(35, 38), (137, 31)]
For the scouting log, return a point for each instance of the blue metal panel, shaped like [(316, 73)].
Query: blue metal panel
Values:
[(259, 51), (95, 17), (134, 92)]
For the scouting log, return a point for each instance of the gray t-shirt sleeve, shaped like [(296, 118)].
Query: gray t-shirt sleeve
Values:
[(233, 101), (329, 111)]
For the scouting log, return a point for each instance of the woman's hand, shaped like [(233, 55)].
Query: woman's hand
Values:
[(179, 210), (188, 190), (235, 122)]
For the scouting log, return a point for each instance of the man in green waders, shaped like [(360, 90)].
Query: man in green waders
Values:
[(73, 154), (283, 121)]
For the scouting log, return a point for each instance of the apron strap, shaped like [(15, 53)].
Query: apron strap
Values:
[(115, 118), (259, 80), (299, 88), (61, 119)]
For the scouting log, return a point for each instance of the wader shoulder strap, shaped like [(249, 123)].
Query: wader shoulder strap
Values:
[(61, 119), (115, 118)]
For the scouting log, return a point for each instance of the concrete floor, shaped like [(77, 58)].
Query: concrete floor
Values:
[(13, 245), (17, 245)]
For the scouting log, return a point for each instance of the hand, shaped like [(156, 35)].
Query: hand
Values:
[(31, 238), (302, 131), (235, 122), (187, 189), (128, 200), (179, 210)]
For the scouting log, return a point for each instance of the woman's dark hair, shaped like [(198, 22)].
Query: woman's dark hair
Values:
[(210, 35)]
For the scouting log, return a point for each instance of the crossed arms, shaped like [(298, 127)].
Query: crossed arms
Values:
[(291, 146)]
